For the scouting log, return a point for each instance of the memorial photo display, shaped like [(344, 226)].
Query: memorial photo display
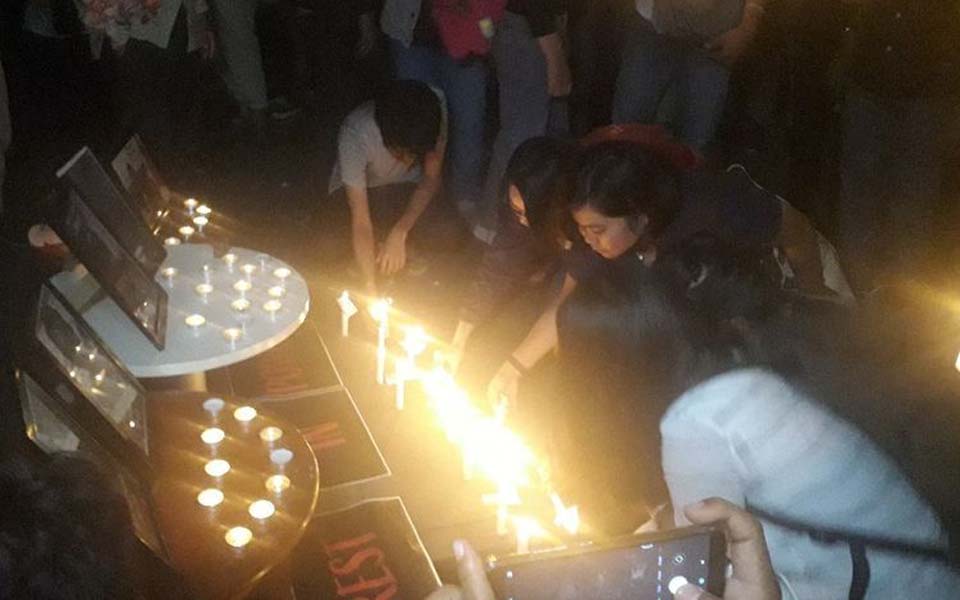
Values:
[(55, 432), (143, 183), (94, 371), (84, 175), (135, 292)]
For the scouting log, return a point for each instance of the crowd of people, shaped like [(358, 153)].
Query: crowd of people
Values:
[(709, 338)]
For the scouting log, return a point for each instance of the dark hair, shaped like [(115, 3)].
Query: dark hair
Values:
[(624, 179), (540, 168), (63, 533), (409, 115)]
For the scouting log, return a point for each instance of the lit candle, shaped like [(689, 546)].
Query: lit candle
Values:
[(195, 322), (217, 467), (204, 290), (272, 306), (271, 434), (212, 436), (230, 259), (276, 291), (191, 204), (402, 366), (210, 497), (186, 231), (527, 529), (200, 222), (262, 259), (232, 334), (245, 414), (282, 273), (238, 537), (206, 273), (171, 241), (380, 311), (277, 483), (261, 509), (243, 286), (567, 517), (347, 310), (414, 342), (203, 210), (169, 273), (240, 305), (213, 405), (505, 497), (281, 456), (248, 270)]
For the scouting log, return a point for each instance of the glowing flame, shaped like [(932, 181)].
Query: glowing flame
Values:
[(566, 517)]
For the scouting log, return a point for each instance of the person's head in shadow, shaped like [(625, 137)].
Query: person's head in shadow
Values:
[(64, 534), (537, 184), (409, 116)]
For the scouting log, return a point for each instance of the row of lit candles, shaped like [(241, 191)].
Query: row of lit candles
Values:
[(260, 509)]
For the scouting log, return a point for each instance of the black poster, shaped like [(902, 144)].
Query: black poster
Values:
[(332, 426), (368, 551), (297, 367)]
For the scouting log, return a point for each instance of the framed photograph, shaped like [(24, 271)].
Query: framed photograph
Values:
[(84, 175), (143, 183), (93, 370), (135, 292), (53, 430)]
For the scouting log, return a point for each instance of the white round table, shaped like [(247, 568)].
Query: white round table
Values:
[(188, 349)]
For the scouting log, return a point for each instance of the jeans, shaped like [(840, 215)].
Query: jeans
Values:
[(464, 83), (891, 182), (652, 64), (526, 108)]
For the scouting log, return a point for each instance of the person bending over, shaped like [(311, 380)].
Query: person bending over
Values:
[(389, 162), (630, 206), (677, 374)]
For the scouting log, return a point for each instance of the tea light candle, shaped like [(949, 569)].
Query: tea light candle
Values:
[(272, 306), (232, 334), (217, 467), (245, 414), (282, 273), (276, 291), (271, 434), (238, 537), (248, 270), (281, 456), (186, 231), (191, 204), (203, 210), (200, 222), (213, 405), (241, 305), (206, 273), (230, 259), (169, 273), (212, 436), (195, 322), (243, 286), (171, 241), (277, 483), (204, 290), (347, 310), (210, 497), (261, 509)]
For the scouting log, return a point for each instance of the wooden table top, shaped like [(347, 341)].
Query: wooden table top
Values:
[(193, 534)]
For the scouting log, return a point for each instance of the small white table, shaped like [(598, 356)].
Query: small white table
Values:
[(190, 350)]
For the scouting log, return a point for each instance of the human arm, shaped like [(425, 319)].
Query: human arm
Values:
[(730, 46), (474, 584), (800, 243), (753, 577), (559, 78), (541, 340), (362, 236), (393, 255)]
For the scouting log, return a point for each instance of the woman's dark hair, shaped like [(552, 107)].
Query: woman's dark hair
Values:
[(63, 532), (541, 169), (624, 179), (409, 116)]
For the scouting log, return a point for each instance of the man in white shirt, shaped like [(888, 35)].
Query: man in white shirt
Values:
[(389, 149)]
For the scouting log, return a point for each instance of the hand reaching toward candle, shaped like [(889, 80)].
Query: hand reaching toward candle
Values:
[(504, 386), (753, 577), (473, 580), (393, 254)]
